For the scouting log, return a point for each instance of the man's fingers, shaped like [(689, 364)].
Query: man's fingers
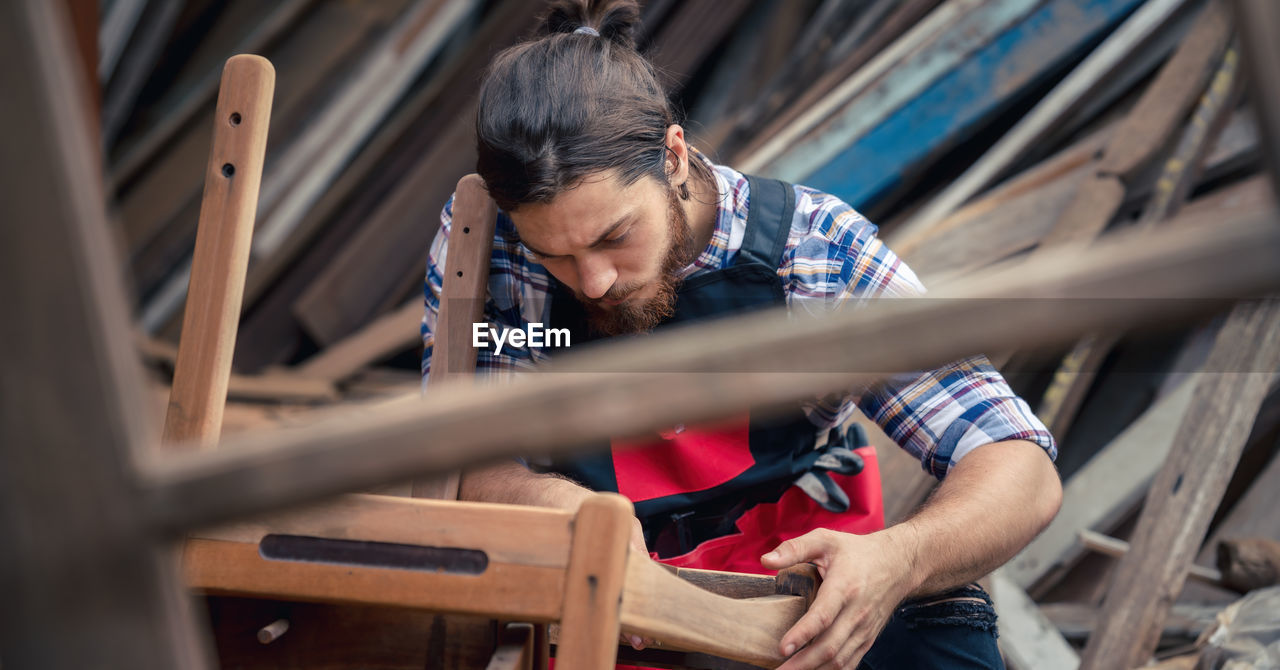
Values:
[(821, 616), (808, 547), (825, 650), (853, 650)]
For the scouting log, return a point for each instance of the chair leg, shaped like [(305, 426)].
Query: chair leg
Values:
[(589, 625)]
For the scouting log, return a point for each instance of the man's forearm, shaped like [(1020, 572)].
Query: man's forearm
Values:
[(514, 484), (990, 506)]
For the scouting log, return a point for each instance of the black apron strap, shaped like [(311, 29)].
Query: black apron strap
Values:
[(771, 205)]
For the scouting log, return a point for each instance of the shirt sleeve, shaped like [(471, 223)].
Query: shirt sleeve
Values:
[(498, 317), (938, 416)]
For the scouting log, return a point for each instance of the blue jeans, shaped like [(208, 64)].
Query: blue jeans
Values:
[(953, 630)]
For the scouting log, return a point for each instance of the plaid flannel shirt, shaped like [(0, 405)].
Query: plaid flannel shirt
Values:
[(833, 258)]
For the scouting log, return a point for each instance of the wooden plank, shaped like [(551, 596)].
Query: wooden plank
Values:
[(462, 299), (1080, 367), (1016, 216), (533, 536), (905, 17), (83, 576), (388, 334), (346, 294), (1110, 546), (1028, 640), (503, 590), (203, 367), (1259, 20), (925, 35), (525, 549), (1146, 128), (269, 333), (659, 606), (1186, 492), (140, 53), (271, 386), (1077, 621), (158, 213), (1250, 515), (307, 164), (1049, 299), (688, 36), (139, 152), (302, 171), (934, 47), (594, 582), (1104, 491), (912, 135), (466, 279), (1063, 100)]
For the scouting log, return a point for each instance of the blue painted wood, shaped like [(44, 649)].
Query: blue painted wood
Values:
[(980, 88)]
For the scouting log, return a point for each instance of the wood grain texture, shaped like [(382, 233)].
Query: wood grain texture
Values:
[(1181, 170), (463, 293), (662, 607), (508, 590), (1054, 299), (594, 583), (1041, 121), (1170, 97), (1187, 489), (232, 178), (386, 335), (1110, 546), (83, 577), (1102, 493), (507, 533), (466, 277)]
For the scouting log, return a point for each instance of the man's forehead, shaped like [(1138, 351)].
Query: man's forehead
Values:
[(578, 215)]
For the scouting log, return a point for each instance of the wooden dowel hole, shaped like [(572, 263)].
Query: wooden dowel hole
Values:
[(228, 170), (235, 118)]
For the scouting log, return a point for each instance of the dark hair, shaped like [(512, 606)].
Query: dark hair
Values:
[(571, 103)]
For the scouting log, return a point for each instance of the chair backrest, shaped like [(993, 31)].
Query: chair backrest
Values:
[(498, 561)]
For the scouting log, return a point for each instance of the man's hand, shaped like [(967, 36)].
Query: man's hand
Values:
[(864, 577)]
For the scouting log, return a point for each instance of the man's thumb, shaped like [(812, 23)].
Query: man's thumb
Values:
[(806, 548)]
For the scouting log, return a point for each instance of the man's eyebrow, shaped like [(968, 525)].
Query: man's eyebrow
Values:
[(599, 240)]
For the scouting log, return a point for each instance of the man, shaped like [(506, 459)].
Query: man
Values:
[(612, 225)]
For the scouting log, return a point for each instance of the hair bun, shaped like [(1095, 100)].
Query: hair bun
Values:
[(615, 20)]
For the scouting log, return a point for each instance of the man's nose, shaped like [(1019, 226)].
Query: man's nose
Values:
[(597, 275)]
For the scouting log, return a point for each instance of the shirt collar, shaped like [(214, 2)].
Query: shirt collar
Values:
[(730, 201)]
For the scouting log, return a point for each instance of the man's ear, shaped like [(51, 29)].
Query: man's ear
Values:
[(677, 155)]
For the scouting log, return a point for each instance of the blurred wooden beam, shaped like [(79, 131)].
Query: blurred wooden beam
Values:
[(84, 577), (1052, 301)]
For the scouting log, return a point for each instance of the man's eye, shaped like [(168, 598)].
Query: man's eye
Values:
[(614, 241)]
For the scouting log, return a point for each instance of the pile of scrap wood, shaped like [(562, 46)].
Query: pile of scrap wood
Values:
[(971, 131)]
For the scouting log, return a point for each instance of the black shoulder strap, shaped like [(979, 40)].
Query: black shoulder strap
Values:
[(771, 204)]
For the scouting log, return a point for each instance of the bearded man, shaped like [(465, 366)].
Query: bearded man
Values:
[(611, 224)]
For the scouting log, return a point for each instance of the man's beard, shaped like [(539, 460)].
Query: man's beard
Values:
[(627, 319)]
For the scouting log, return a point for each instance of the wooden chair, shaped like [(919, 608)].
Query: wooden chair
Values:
[(507, 563)]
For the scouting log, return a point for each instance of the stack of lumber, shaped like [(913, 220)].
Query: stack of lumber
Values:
[(974, 132)]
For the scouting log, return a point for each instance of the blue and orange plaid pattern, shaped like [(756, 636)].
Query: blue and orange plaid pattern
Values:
[(833, 259)]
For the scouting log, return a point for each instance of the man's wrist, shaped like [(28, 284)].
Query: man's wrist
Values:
[(904, 544)]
